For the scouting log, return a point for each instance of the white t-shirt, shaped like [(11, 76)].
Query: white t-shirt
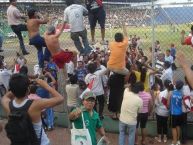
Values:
[(161, 109), (167, 75), (186, 92), (70, 67), (13, 15), (72, 91), (97, 87), (4, 77), (130, 107), (169, 58), (74, 16)]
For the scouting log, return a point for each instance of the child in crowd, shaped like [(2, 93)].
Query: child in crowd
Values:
[(162, 112), (91, 118), (80, 71), (175, 105)]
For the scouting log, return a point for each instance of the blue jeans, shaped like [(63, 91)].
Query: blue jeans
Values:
[(39, 43), (122, 131), (49, 117), (75, 36), (1, 41), (17, 29)]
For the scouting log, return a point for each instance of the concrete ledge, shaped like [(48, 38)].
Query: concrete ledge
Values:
[(113, 125), (61, 119)]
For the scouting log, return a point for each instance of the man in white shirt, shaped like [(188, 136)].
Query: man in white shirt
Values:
[(73, 15), (14, 20), (167, 73)]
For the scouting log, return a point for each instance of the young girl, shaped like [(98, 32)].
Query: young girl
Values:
[(175, 105), (162, 111)]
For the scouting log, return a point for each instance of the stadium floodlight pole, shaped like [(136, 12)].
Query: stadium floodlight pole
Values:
[(153, 36)]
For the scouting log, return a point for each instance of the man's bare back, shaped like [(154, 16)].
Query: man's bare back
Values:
[(34, 22), (52, 42), (33, 27)]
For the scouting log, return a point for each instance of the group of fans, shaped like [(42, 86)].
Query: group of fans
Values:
[(121, 75)]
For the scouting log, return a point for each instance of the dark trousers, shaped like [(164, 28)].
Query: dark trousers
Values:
[(101, 101), (162, 124), (17, 29), (39, 43), (85, 48), (184, 128)]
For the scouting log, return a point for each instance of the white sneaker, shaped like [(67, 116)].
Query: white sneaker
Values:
[(178, 143)]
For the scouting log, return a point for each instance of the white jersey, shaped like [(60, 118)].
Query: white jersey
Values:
[(74, 16)]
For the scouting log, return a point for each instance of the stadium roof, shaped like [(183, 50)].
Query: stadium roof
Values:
[(127, 1)]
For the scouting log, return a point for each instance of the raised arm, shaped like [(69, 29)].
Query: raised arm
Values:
[(5, 101), (60, 30), (125, 30), (51, 102), (186, 68)]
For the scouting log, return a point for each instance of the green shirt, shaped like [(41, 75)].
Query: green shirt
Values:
[(92, 123)]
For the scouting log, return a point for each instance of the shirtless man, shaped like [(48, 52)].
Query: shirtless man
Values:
[(35, 39), (60, 57)]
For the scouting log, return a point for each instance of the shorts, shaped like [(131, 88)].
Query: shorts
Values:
[(142, 120), (62, 57), (176, 120), (97, 15)]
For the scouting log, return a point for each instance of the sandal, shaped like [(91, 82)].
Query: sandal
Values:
[(165, 139), (158, 139)]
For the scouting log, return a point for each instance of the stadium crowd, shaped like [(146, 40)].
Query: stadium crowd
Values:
[(120, 76)]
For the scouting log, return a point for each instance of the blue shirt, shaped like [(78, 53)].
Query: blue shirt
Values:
[(81, 73), (173, 51), (43, 93), (176, 102)]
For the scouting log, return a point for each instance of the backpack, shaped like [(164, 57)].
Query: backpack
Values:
[(19, 127)]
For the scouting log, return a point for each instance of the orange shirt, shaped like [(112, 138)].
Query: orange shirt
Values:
[(118, 54)]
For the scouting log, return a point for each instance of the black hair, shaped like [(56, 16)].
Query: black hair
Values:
[(179, 84), (167, 64), (69, 2), (143, 72), (31, 13), (168, 50), (33, 88), (73, 79), (82, 84), (10, 1), (192, 28), (92, 67), (136, 88), (119, 37), (23, 70), (141, 87), (18, 85), (168, 85)]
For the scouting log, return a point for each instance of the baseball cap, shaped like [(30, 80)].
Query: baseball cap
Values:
[(88, 94)]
